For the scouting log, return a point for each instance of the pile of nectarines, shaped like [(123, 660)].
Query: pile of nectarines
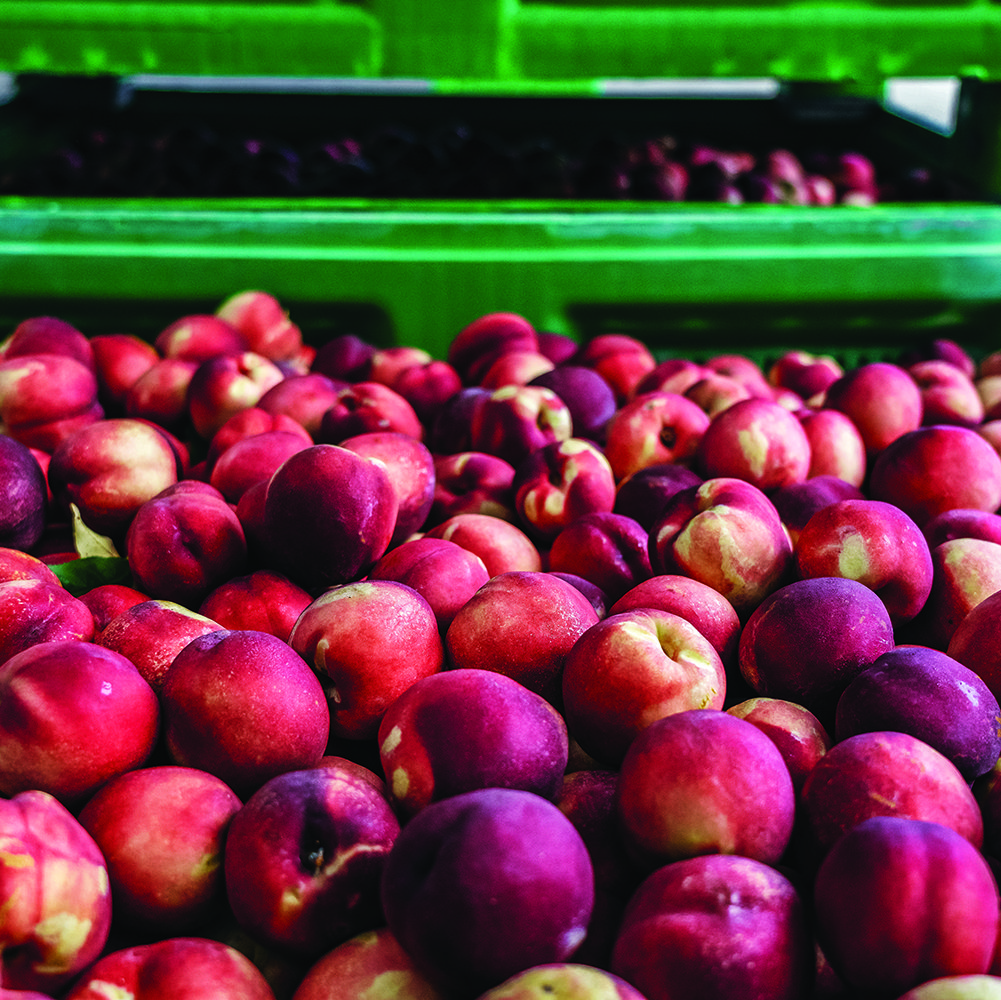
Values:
[(541, 669)]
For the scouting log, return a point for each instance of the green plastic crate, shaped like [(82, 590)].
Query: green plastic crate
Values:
[(687, 278), (689, 281), (507, 45), (858, 44), (126, 38)]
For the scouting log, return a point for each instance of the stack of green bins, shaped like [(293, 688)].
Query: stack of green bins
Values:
[(689, 278)]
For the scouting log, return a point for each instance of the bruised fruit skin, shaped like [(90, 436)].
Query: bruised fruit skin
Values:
[(460, 730), (716, 926), (54, 880), (703, 781), (485, 884), (931, 905)]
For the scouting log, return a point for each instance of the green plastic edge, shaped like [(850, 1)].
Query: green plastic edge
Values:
[(121, 39), (507, 46), (685, 278)]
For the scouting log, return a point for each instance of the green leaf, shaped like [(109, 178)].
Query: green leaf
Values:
[(88, 542), (80, 575)]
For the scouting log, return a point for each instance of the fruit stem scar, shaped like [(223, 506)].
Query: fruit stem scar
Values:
[(313, 858)]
